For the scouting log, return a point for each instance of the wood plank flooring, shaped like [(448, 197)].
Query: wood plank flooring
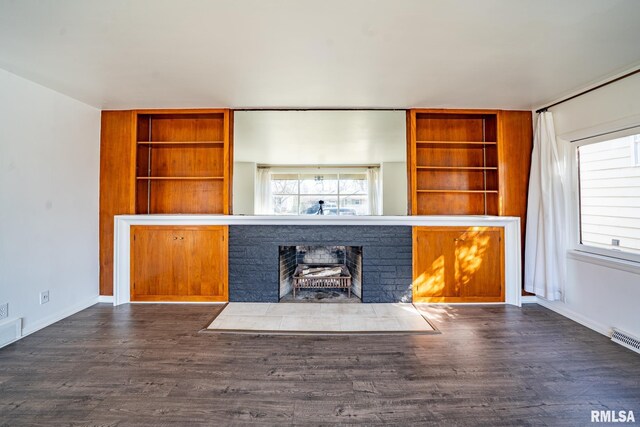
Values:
[(147, 365)]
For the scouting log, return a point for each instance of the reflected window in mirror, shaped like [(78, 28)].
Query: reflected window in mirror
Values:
[(318, 191)]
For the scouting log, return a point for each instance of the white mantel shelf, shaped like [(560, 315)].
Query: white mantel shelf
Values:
[(461, 220), (511, 225)]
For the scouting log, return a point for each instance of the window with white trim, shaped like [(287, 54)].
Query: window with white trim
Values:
[(301, 193), (609, 197)]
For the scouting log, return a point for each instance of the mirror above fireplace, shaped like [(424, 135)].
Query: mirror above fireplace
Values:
[(288, 162)]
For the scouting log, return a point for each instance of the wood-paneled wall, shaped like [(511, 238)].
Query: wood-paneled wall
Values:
[(117, 183)]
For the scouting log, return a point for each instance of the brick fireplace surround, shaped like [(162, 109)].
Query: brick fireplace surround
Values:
[(254, 256)]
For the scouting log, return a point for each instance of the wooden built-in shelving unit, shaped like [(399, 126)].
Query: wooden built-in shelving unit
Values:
[(465, 162), (162, 162), (182, 162), (468, 162), (454, 163)]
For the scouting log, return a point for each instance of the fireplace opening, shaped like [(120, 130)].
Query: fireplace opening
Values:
[(320, 273)]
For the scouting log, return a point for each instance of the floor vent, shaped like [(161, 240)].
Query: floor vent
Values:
[(10, 331), (626, 340)]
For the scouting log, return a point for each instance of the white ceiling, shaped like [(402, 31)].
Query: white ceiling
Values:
[(320, 53), (319, 137)]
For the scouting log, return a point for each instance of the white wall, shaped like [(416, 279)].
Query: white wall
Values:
[(598, 295), (49, 192), (244, 180), (394, 188)]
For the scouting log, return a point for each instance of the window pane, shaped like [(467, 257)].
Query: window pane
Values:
[(284, 184), (354, 205), (353, 184), (319, 184), (309, 205), (285, 205), (610, 194)]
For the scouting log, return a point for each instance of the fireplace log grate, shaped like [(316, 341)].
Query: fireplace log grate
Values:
[(339, 280)]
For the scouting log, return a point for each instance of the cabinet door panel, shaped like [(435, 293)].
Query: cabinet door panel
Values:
[(433, 264), (458, 264), (477, 264), (179, 263)]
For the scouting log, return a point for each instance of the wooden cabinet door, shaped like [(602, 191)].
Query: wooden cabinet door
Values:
[(458, 264), (179, 263)]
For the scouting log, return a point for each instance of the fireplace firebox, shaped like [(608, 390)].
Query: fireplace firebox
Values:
[(320, 273)]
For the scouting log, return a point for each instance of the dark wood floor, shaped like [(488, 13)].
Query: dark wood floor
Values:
[(148, 365)]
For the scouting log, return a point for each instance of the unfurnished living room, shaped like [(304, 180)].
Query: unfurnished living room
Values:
[(305, 212)]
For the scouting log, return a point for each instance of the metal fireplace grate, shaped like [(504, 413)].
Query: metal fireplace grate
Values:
[(312, 276), (626, 340)]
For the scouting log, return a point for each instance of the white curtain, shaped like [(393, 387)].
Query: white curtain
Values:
[(263, 198), (545, 248), (373, 182)]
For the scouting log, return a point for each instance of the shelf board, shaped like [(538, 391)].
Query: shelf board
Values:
[(181, 142), (180, 178), (459, 191), (457, 144), (460, 168)]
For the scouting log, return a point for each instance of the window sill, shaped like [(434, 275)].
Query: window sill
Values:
[(604, 261)]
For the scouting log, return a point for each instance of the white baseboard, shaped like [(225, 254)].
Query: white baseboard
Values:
[(529, 299), (561, 308), (49, 320), (106, 298)]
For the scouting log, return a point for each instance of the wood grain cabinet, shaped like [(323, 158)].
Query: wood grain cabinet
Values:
[(469, 162), (162, 162), (458, 264), (179, 263)]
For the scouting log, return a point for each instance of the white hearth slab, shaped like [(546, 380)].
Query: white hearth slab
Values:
[(320, 318)]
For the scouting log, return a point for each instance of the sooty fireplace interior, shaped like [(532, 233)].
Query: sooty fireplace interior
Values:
[(320, 273)]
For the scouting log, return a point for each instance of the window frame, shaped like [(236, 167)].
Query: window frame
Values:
[(320, 171), (575, 208)]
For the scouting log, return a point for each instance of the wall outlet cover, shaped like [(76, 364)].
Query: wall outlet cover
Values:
[(44, 297), (4, 310)]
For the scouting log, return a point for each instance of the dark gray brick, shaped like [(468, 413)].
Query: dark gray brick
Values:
[(253, 258)]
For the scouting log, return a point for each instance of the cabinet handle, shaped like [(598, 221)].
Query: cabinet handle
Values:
[(178, 237), (458, 240)]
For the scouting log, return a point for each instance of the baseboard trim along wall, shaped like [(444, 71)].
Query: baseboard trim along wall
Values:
[(56, 317), (106, 298), (561, 309)]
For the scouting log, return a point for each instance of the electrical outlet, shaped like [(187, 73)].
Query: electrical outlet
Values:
[(44, 297), (4, 310)]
